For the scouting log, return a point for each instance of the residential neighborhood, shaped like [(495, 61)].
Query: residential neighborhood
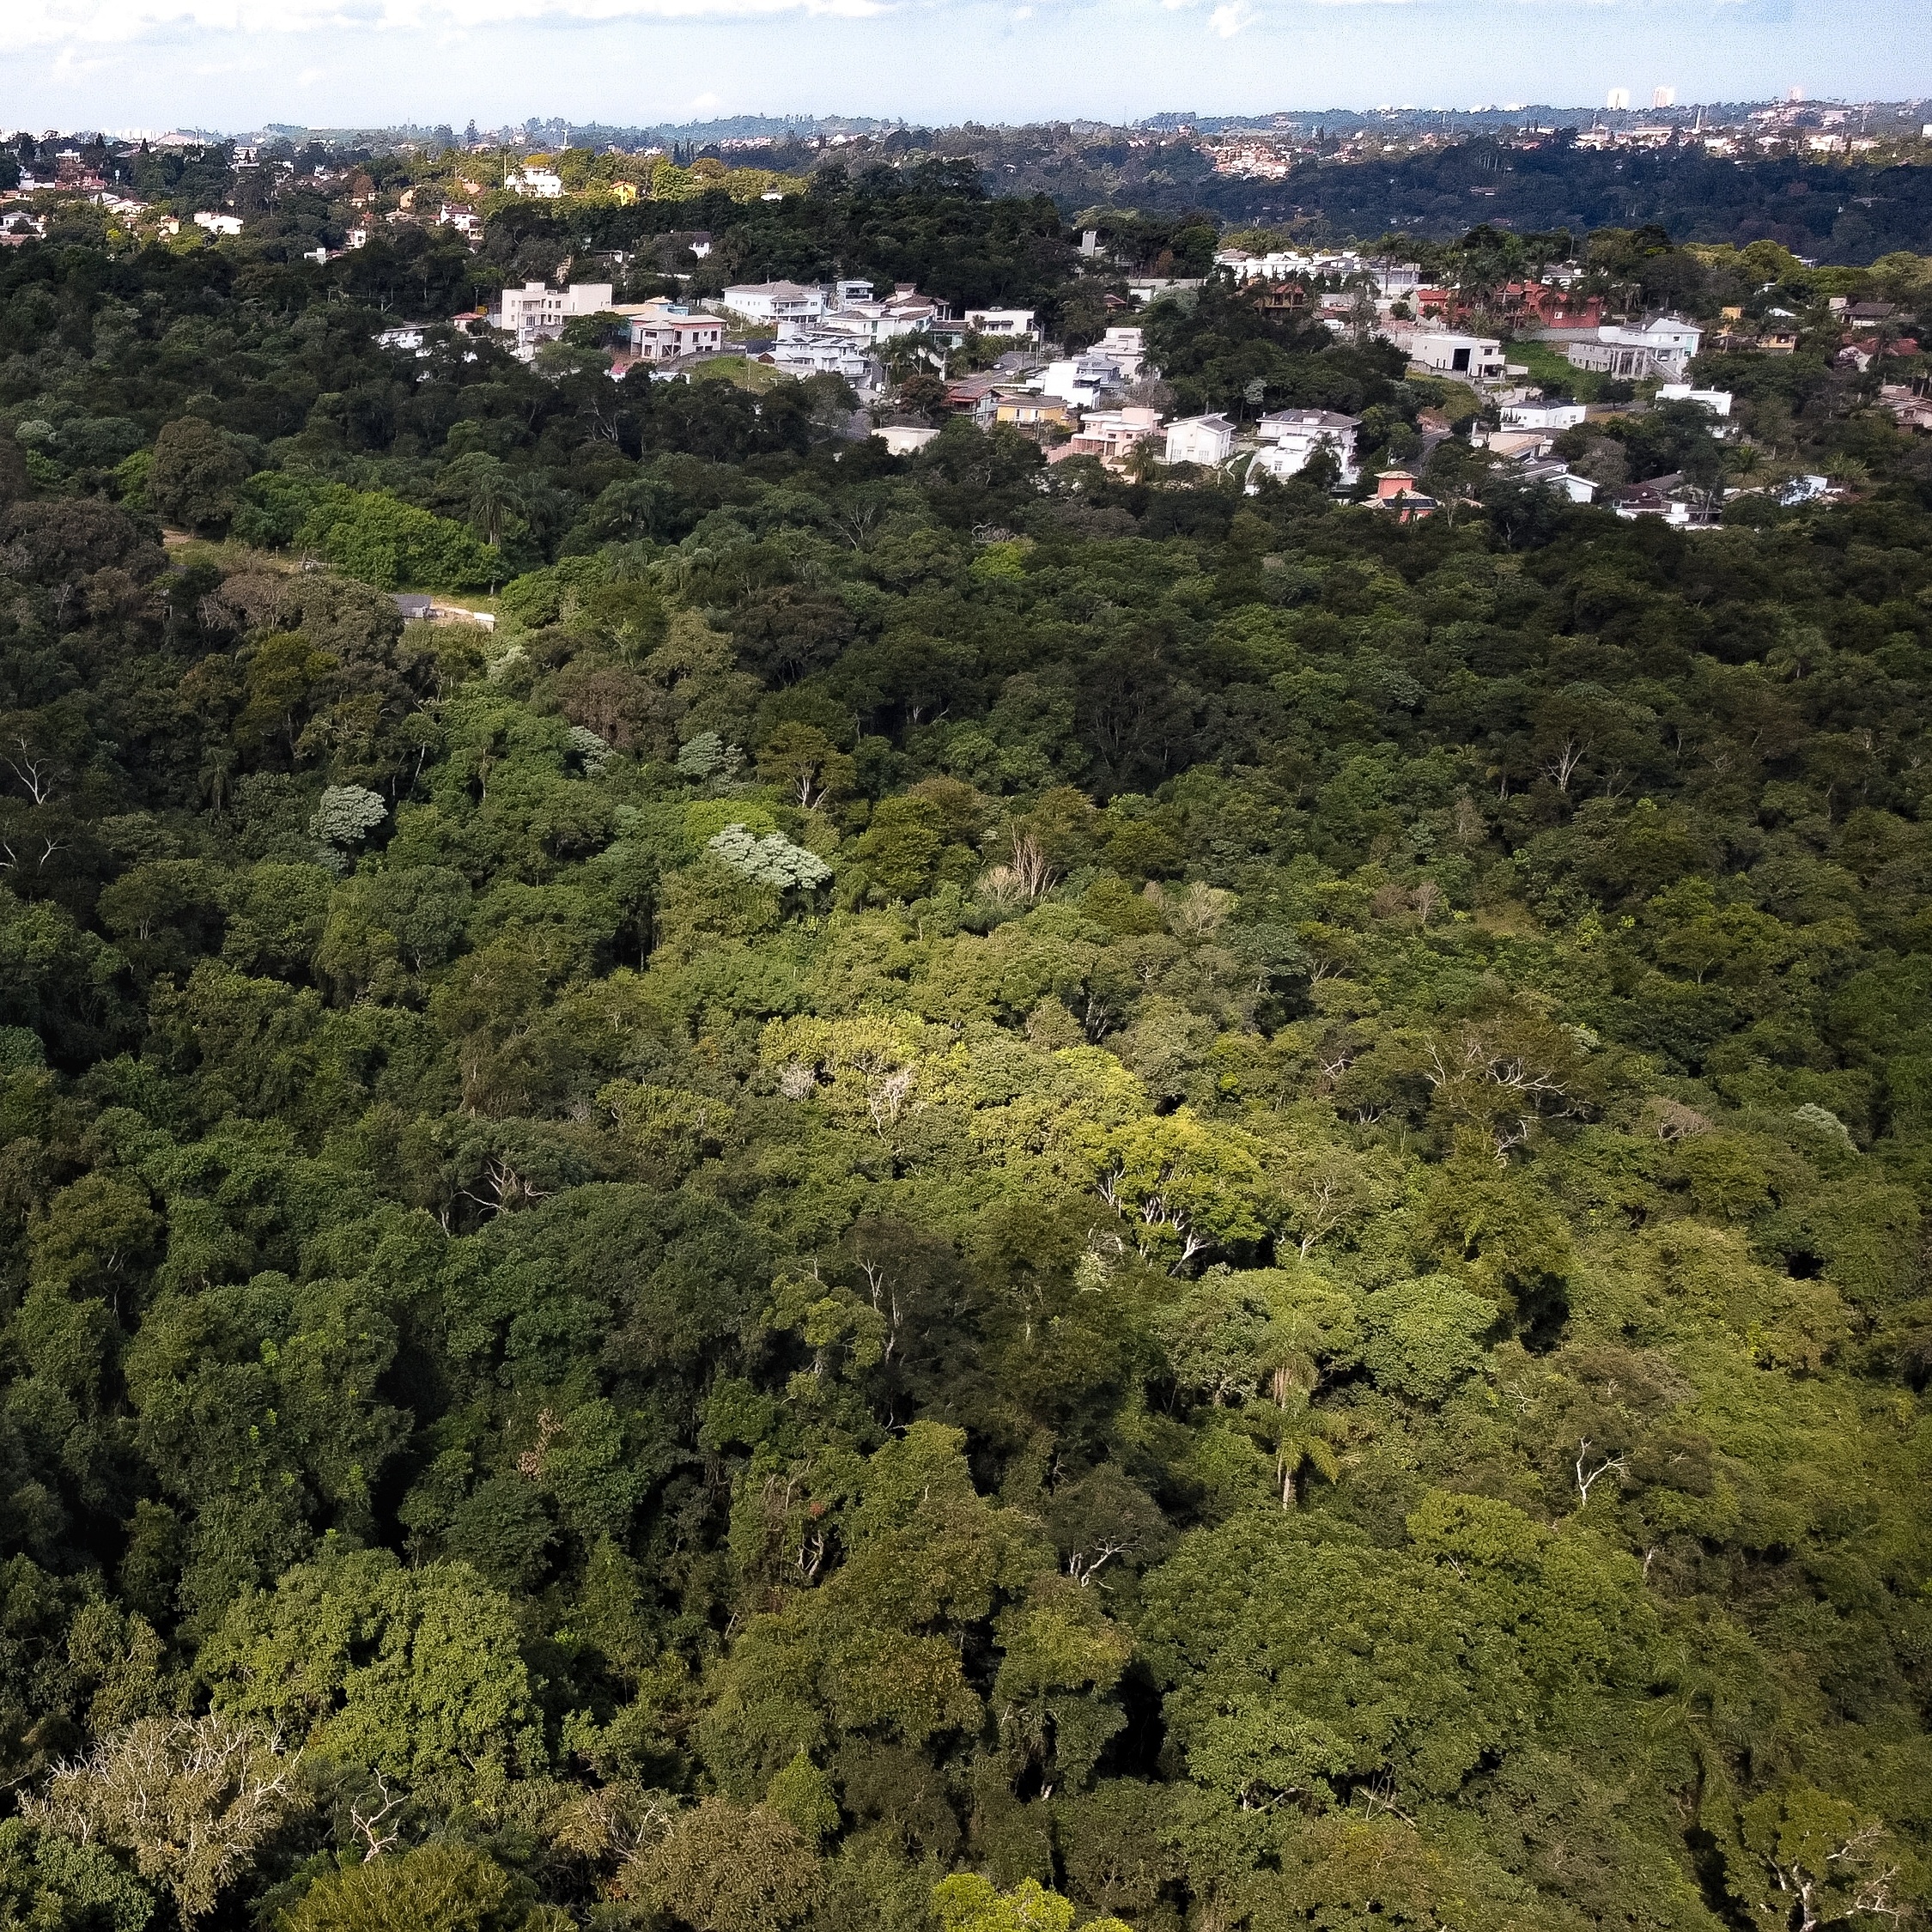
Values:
[(1540, 373)]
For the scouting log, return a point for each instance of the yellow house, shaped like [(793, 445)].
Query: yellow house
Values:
[(623, 192), (1034, 415)]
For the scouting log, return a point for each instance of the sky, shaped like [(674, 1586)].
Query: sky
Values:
[(238, 65)]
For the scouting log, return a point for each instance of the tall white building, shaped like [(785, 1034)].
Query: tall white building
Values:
[(1663, 97), (1199, 439), (1290, 437), (537, 313), (1616, 99), (775, 301)]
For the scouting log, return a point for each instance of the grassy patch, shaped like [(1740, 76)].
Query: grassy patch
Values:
[(1549, 366), (741, 372)]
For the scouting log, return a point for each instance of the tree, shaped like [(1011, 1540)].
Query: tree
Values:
[(442, 1888), (807, 763), (1819, 1861), (190, 1800), (1298, 1435), (771, 860), (725, 1867), (968, 1903), (195, 475), (347, 815), (1421, 1338), (417, 1673)]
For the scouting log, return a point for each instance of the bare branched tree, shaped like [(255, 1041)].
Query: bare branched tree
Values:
[(190, 1799)]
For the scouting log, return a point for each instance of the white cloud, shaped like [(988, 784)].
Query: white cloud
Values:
[(132, 20), (1229, 21)]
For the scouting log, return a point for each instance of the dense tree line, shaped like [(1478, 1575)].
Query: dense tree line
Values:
[(961, 1196)]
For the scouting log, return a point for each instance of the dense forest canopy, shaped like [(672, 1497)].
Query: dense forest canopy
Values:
[(960, 1197)]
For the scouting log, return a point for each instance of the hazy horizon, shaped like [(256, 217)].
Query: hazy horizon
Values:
[(235, 64)]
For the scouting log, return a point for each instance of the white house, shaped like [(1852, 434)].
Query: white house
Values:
[(853, 311), (1207, 440), (536, 311), (541, 184), (1000, 322), (1550, 416), (1447, 352), (775, 301), (1558, 476), (1716, 401), (809, 352), (464, 220), (903, 439), (1291, 437), (1660, 347), (1386, 277), (1081, 378), (1126, 346), (219, 224)]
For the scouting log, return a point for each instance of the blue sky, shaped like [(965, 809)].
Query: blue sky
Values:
[(237, 63)]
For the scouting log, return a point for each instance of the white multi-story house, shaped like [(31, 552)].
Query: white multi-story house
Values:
[(775, 301), (1663, 348), (1291, 437), (1282, 265), (219, 224), (464, 220), (1447, 352), (540, 183), (1125, 345), (808, 352), (905, 312), (1550, 416), (537, 313), (1000, 322), (1206, 440), (1081, 378)]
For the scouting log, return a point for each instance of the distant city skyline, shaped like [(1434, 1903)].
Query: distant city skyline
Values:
[(242, 63)]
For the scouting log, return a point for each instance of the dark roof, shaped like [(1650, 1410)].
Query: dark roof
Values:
[(411, 604)]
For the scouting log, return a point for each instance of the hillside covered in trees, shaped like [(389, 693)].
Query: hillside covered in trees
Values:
[(959, 1197)]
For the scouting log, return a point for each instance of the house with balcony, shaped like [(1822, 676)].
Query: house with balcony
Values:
[(1033, 414), (1396, 492), (663, 334), (1015, 322), (537, 313), (1113, 435), (1290, 437), (1661, 347), (810, 352), (1082, 380), (1206, 440), (773, 302)]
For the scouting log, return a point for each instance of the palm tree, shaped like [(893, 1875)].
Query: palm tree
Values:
[(1289, 1423), (1299, 1433)]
